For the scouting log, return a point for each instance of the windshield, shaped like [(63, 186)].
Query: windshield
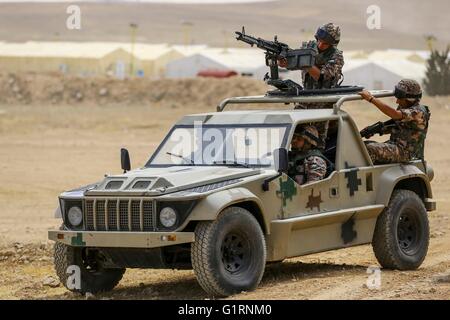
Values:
[(238, 145)]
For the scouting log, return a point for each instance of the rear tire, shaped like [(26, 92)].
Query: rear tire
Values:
[(93, 277), (401, 236), (229, 254)]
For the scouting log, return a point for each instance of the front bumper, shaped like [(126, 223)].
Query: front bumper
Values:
[(107, 239), (430, 204)]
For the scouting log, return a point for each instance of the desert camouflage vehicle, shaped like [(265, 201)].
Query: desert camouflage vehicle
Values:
[(215, 197)]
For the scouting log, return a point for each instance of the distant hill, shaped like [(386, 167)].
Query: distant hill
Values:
[(404, 23)]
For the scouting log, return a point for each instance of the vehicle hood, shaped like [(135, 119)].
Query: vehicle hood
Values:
[(156, 181)]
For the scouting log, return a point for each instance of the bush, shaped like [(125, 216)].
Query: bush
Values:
[(437, 76)]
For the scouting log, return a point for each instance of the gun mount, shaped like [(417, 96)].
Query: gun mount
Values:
[(296, 59)]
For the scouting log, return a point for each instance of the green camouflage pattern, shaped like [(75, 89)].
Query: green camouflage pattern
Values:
[(330, 63), (307, 166), (311, 130), (386, 152), (409, 86), (333, 30), (322, 130)]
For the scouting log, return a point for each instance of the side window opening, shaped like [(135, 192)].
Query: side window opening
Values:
[(331, 141), (326, 148)]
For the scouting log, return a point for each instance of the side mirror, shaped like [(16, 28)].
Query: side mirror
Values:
[(125, 160), (280, 157), (281, 160)]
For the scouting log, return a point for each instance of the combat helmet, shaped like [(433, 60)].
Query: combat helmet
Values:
[(310, 134), (329, 33), (408, 89)]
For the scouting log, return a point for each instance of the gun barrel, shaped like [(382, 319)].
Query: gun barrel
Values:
[(247, 39), (270, 46)]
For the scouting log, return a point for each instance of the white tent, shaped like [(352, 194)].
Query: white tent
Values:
[(188, 50), (243, 61), (381, 74)]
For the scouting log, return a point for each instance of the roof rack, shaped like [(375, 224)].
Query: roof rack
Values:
[(337, 99)]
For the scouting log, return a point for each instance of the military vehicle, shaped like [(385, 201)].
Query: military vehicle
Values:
[(215, 197)]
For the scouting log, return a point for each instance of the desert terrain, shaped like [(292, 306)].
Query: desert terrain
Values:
[(50, 144)]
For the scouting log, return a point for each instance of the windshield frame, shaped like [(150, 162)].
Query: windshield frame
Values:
[(287, 127)]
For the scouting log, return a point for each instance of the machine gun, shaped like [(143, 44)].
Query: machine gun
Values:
[(296, 59), (378, 127)]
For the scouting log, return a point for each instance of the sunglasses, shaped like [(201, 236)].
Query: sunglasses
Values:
[(321, 34)]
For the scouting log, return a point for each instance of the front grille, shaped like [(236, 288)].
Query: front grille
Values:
[(112, 215), (119, 215), (100, 216)]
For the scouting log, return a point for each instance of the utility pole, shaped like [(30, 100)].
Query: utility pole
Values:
[(225, 43), (187, 26), (430, 39), (133, 29)]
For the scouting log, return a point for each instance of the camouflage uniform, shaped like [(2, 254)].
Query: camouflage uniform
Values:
[(408, 136), (330, 63), (322, 128), (307, 165)]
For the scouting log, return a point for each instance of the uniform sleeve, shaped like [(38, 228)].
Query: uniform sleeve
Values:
[(415, 115), (332, 69), (315, 169)]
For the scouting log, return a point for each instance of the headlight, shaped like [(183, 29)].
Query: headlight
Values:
[(430, 172), (75, 216), (168, 217)]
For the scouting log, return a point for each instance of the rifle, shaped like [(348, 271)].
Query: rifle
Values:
[(378, 127), (296, 59)]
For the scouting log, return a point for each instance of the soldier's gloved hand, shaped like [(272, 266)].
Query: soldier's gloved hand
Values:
[(311, 44), (282, 62), (320, 60)]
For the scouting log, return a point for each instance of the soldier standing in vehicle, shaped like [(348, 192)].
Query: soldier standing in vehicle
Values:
[(327, 70), (307, 163), (411, 124)]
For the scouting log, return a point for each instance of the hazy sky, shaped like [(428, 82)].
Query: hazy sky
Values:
[(403, 23)]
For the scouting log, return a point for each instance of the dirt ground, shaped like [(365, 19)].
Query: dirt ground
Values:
[(49, 148)]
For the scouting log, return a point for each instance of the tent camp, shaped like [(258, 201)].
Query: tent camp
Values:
[(87, 58)]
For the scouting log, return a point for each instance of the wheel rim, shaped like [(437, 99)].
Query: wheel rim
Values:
[(90, 263), (234, 253), (408, 232)]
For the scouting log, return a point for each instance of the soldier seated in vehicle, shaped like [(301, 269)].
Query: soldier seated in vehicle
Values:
[(411, 125), (306, 162)]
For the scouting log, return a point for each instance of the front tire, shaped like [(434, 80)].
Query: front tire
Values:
[(93, 277), (229, 254), (401, 236)]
